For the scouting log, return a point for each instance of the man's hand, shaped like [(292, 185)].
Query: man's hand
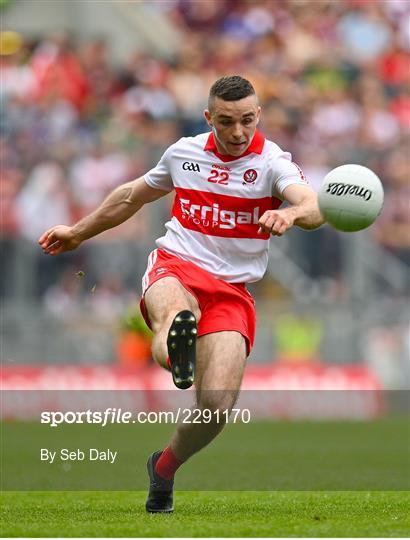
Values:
[(276, 222), (303, 212), (58, 240)]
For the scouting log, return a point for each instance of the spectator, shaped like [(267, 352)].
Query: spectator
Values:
[(393, 226), (43, 200), (58, 72), (95, 174)]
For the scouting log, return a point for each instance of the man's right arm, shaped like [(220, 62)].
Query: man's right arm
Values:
[(120, 205)]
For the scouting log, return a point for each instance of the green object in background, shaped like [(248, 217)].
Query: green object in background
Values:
[(298, 337), (325, 78), (134, 321), (4, 3)]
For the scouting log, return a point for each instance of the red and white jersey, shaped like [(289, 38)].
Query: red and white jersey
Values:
[(219, 200)]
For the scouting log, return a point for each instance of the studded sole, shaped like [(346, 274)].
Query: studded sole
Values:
[(181, 344)]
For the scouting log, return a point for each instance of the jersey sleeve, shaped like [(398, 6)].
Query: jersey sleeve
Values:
[(160, 176), (285, 172)]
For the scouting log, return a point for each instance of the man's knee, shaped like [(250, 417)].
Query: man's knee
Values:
[(217, 401), (165, 298)]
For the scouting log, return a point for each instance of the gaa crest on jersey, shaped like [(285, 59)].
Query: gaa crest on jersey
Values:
[(190, 166), (250, 176)]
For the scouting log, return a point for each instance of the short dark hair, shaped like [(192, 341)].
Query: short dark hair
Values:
[(231, 88)]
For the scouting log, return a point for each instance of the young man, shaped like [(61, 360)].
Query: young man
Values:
[(229, 185)]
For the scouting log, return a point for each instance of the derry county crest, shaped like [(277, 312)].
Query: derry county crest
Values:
[(250, 176)]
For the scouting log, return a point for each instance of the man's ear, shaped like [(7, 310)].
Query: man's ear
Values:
[(208, 117), (258, 115)]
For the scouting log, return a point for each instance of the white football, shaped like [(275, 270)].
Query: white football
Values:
[(351, 197)]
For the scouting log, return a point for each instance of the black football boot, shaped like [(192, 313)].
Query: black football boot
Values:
[(160, 496)]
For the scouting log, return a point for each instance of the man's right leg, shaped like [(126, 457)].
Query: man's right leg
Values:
[(163, 300)]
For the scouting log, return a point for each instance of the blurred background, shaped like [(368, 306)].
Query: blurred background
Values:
[(94, 92)]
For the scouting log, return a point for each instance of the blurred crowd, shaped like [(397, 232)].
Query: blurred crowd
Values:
[(332, 77)]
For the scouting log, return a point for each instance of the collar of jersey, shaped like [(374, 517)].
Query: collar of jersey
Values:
[(256, 146)]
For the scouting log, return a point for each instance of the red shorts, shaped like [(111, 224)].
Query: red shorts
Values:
[(223, 305)]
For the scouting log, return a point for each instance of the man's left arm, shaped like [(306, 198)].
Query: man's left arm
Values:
[(303, 212)]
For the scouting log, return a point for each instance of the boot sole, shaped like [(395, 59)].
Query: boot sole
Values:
[(181, 344)]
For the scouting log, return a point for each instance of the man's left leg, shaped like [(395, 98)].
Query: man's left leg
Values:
[(221, 359)]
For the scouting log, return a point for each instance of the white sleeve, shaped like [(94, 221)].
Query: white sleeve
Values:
[(160, 176), (285, 172)]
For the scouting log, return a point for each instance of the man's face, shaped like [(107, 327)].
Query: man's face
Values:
[(233, 123)]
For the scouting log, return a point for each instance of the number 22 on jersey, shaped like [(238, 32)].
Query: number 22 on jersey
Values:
[(219, 177)]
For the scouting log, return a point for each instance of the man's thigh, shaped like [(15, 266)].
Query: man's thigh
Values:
[(172, 284), (221, 360), (166, 297)]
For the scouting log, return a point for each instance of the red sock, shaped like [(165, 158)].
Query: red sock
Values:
[(167, 464), (169, 363)]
